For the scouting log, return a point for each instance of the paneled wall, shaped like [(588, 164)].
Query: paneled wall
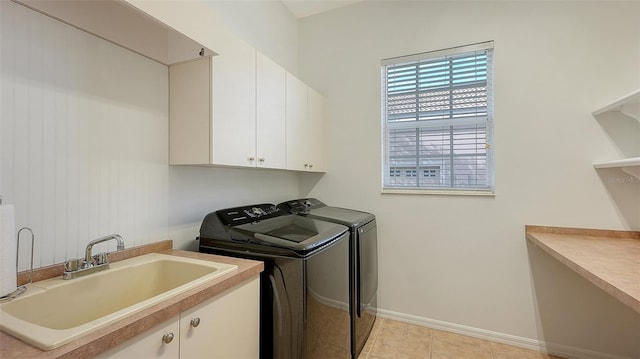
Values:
[(84, 141), (83, 137)]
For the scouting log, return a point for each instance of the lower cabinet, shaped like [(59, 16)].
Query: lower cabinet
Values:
[(154, 343), (225, 326)]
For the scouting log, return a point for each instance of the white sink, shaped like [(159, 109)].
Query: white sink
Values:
[(54, 312)]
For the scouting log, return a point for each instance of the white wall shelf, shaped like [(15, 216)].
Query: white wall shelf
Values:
[(629, 105), (628, 165), (627, 162)]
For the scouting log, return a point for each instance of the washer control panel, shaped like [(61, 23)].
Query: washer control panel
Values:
[(302, 205), (248, 214)]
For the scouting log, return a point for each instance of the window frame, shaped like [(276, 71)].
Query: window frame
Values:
[(486, 123)]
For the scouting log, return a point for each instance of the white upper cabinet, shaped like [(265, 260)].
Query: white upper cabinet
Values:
[(228, 110), (305, 127), (212, 109), (234, 106), (190, 122), (243, 110), (297, 129), (316, 139), (270, 113)]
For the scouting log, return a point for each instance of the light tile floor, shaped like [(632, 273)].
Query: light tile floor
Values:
[(396, 340)]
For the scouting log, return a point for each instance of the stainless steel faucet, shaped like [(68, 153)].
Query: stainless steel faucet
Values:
[(88, 259), (75, 268)]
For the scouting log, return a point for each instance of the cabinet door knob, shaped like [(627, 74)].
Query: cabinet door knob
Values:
[(306, 165), (195, 322), (167, 338), (311, 165), (251, 159), (261, 159)]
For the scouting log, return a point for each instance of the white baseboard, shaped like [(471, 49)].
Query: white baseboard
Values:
[(551, 348)]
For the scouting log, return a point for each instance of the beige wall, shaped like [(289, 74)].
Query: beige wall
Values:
[(267, 25), (464, 261)]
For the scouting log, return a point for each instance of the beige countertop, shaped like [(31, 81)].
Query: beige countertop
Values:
[(609, 259), (94, 343)]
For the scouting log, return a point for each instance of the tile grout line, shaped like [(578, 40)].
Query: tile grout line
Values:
[(430, 343), (492, 350)]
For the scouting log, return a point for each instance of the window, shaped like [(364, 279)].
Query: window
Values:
[(431, 172), (437, 118)]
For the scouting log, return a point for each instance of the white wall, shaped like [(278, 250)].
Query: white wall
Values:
[(465, 260), (84, 136), (267, 25)]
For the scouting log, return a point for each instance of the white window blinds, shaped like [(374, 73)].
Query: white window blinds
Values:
[(437, 118)]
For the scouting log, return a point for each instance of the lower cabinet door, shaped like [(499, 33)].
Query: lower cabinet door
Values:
[(226, 326), (162, 341)]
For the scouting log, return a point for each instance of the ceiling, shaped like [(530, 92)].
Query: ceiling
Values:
[(302, 8)]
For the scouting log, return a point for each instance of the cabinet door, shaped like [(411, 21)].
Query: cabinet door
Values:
[(296, 118), (270, 113), (150, 344), (226, 326), (190, 112), (316, 133), (234, 105)]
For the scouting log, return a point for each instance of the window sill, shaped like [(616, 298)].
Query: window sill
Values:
[(438, 192)]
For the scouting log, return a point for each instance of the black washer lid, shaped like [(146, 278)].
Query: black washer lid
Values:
[(313, 208), (293, 232), (348, 217)]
